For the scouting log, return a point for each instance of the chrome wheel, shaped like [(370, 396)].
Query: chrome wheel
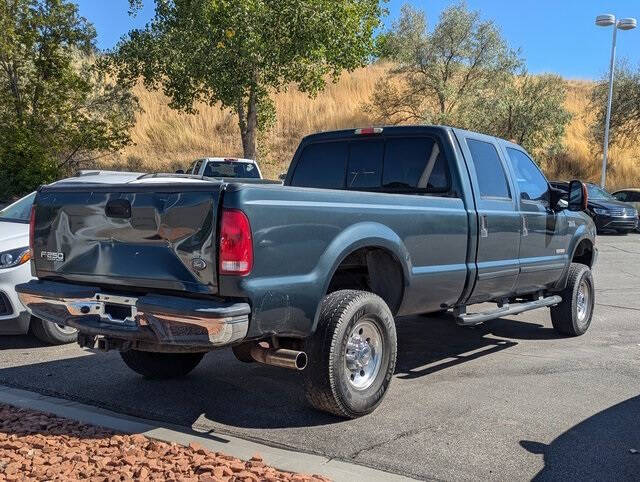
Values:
[(363, 355), (583, 301)]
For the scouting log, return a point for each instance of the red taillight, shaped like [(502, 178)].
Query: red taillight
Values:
[(32, 229), (236, 247)]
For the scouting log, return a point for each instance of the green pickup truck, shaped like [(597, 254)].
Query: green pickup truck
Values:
[(369, 225)]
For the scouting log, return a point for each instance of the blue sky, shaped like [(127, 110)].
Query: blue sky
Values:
[(554, 35)]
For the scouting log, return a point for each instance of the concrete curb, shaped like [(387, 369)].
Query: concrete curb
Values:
[(243, 449)]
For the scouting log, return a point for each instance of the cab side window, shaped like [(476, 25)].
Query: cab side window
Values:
[(532, 184), (492, 180)]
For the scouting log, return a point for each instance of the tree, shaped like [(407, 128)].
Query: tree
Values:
[(529, 110), (406, 37), (57, 107), (237, 52), (625, 106), (442, 71)]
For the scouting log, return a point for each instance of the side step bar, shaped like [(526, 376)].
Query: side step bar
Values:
[(471, 319)]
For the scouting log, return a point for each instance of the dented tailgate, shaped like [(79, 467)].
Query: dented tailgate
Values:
[(156, 235)]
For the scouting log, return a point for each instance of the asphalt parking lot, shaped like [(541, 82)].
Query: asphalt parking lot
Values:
[(507, 400)]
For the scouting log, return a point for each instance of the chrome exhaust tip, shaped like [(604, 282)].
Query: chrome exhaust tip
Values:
[(280, 357)]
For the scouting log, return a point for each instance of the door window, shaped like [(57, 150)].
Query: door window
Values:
[(492, 180), (532, 184)]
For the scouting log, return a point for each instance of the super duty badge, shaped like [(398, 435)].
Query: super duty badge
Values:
[(52, 256)]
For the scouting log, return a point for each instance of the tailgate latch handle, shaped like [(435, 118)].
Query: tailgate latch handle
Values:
[(118, 208)]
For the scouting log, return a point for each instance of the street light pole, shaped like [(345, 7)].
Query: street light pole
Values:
[(605, 149), (623, 24)]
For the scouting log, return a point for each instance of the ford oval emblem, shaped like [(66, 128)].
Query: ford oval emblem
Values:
[(198, 264)]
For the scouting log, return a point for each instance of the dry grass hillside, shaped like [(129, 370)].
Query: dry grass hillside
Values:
[(165, 139)]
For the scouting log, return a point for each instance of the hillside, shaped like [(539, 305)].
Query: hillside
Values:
[(165, 139)]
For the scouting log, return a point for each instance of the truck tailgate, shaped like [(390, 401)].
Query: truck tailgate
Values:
[(142, 235)]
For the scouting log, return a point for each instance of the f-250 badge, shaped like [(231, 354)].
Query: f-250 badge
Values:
[(52, 256)]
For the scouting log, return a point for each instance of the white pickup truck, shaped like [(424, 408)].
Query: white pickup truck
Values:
[(224, 167)]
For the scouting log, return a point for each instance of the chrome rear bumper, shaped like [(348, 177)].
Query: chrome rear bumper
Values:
[(151, 319)]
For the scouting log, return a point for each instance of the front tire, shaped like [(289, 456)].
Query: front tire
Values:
[(352, 354), (573, 315), (51, 333), (161, 365)]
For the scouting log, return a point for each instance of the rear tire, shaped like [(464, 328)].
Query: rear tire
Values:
[(161, 365), (352, 354), (573, 315), (51, 333)]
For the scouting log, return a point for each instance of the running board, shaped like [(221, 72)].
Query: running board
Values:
[(471, 319)]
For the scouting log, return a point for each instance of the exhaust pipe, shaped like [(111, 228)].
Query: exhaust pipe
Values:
[(281, 357)]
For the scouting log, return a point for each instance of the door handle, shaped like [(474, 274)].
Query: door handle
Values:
[(484, 226), (525, 227)]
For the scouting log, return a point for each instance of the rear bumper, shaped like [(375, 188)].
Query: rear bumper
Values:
[(156, 320)]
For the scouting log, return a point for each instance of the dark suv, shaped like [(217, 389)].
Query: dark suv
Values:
[(608, 213)]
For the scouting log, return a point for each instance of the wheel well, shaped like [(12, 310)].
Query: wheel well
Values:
[(371, 269), (583, 253)]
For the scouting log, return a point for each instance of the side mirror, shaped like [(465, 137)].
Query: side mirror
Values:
[(282, 176), (578, 196), (180, 171)]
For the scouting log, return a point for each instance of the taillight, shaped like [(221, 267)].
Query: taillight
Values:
[(32, 229), (236, 247)]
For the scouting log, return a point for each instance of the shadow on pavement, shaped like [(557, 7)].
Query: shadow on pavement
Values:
[(9, 342), (429, 344), (600, 448), (249, 396)]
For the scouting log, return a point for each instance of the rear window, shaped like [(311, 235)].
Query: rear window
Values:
[(365, 165), (415, 163), (322, 165), (492, 179), (230, 169), (390, 165)]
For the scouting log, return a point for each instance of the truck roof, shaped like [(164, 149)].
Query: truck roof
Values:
[(395, 131)]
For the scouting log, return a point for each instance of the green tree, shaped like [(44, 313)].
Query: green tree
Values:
[(406, 38), (528, 110), (463, 73), (57, 107), (440, 72), (625, 106), (237, 52)]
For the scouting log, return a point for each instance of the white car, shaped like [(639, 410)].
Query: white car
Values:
[(226, 167), (16, 269)]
